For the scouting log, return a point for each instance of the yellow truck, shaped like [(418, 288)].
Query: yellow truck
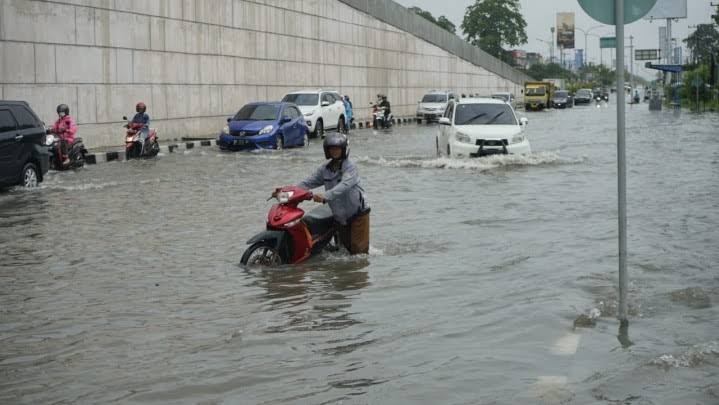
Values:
[(538, 95)]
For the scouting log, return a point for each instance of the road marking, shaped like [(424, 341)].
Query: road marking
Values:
[(566, 345)]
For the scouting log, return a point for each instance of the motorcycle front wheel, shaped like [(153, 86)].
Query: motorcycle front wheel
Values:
[(262, 254)]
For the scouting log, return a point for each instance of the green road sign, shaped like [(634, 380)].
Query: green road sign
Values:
[(608, 42), (603, 10)]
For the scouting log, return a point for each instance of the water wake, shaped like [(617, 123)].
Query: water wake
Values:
[(483, 164)]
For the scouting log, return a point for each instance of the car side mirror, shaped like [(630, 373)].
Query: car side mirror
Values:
[(524, 121), (444, 121), (228, 120), (325, 103), (124, 118), (286, 119)]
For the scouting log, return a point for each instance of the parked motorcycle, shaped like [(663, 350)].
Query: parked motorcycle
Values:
[(134, 145), (379, 120), (76, 152), (291, 236)]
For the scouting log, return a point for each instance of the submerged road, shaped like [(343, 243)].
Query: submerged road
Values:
[(121, 281)]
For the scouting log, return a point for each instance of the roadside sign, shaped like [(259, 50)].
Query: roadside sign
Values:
[(603, 10), (608, 42), (647, 54)]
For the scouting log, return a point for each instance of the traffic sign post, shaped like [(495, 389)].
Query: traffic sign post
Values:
[(647, 54), (620, 12)]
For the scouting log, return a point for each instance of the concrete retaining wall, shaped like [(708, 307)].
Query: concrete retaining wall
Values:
[(196, 62)]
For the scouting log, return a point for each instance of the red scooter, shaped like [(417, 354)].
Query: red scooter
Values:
[(291, 236), (134, 146)]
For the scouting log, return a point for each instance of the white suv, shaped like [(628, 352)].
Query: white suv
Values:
[(476, 127), (323, 109), (432, 105)]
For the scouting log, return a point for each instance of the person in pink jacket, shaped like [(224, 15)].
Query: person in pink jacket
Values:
[(65, 128)]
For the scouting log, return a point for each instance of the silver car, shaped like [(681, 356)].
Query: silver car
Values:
[(432, 105)]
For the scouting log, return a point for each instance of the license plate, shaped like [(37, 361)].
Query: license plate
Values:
[(240, 142)]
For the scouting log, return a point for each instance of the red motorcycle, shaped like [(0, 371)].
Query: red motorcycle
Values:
[(134, 146), (291, 236)]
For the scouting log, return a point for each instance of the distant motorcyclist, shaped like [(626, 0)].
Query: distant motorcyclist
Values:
[(343, 193), (386, 105), (65, 128), (142, 118), (348, 113)]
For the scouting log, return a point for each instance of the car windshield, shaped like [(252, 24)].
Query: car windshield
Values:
[(535, 91), (504, 97), (484, 114), (257, 112), (561, 94), (434, 98), (583, 92), (302, 99)]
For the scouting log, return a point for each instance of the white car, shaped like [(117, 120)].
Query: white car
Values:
[(476, 127), (323, 109), (432, 105)]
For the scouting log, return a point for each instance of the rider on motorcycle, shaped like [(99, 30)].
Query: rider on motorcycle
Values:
[(348, 112), (343, 193), (385, 104), (65, 128), (142, 118)]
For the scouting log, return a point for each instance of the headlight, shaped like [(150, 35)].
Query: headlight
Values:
[(284, 197), (49, 140), (460, 137), (517, 139), (226, 130), (309, 114), (266, 130)]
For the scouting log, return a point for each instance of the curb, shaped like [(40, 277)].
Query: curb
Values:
[(119, 155)]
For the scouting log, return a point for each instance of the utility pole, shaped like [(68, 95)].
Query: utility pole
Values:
[(631, 58), (621, 161), (551, 48)]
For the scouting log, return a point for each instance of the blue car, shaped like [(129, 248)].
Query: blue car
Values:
[(265, 126)]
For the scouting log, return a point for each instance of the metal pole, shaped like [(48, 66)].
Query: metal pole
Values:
[(631, 58), (621, 161)]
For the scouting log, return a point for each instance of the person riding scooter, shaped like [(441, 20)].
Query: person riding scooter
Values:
[(65, 128), (387, 111), (343, 193), (142, 118)]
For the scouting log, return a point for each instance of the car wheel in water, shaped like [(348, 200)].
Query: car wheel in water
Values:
[(419, 121), (261, 254), (29, 175), (319, 129)]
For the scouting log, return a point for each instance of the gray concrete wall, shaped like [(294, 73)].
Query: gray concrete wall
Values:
[(195, 62)]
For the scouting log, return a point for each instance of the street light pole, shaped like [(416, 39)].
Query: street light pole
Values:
[(621, 162), (586, 34)]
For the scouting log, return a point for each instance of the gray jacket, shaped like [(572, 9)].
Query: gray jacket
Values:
[(343, 191)]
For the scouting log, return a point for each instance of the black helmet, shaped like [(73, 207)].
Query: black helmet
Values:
[(63, 108), (338, 140)]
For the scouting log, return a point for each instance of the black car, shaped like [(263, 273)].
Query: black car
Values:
[(583, 96), (562, 99), (24, 159)]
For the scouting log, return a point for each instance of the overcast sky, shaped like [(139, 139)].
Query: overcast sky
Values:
[(541, 15)]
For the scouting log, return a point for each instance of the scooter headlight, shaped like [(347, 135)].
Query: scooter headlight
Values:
[(460, 137), (292, 223), (226, 130), (284, 197), (266, 130)]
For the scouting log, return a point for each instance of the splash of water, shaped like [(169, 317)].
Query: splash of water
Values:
[(483, 164)]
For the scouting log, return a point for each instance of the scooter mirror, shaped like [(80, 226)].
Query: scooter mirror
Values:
[(124, 117)]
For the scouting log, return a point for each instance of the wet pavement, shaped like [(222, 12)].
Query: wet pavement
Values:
[(121, 282)]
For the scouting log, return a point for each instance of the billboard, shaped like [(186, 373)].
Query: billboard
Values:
[(668, 9), (565, 30), (647, 54)]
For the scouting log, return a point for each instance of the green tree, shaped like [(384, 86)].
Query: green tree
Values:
[(695, 84), (491, 24), (703, 43), (442, 21)]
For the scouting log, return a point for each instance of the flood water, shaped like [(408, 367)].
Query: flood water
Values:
[(121, 282)]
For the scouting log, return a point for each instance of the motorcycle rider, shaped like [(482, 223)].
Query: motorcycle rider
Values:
[(348, 112), (343, 193), (65, 128), (142, 118), (387, 111)]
